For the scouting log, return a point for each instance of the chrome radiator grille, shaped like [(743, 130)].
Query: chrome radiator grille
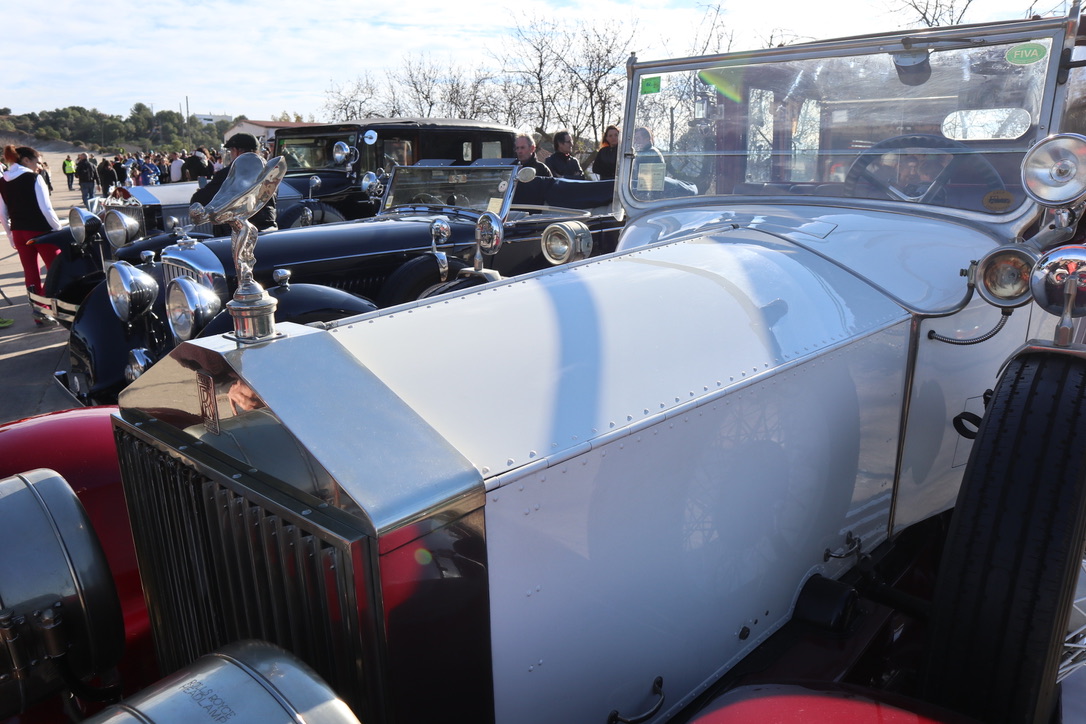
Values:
[(225, 557), (172, 271)]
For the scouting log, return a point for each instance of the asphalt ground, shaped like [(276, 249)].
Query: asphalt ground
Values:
[(28, 353)]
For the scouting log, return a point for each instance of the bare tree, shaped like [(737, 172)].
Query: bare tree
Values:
[(355, 99), (557, 75), (531, 65), (594, 65), (933, 13), (469, 94), (418, 81), (711, 35)]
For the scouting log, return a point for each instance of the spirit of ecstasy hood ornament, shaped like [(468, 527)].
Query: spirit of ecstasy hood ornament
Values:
[(248, 186)]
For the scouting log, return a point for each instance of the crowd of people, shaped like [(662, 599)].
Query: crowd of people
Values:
[(103, 177)]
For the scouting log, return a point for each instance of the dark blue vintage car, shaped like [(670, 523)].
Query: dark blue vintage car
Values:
[(326, 166), (423, 236), (339, 155)]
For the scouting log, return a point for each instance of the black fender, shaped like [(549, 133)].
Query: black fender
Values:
[(99, 343), (302, 304), (413, 278), (62, 238), (74, 272)]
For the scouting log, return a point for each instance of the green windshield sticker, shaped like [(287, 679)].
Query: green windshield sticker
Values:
[(650, 85), (1026, 54)]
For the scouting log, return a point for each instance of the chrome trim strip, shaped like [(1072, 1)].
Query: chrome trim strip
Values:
[(54, 308)]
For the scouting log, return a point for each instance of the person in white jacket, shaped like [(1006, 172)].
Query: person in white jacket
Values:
[(27, 213)]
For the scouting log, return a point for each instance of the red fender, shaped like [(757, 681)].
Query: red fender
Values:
[(79, 445), (798, 704)]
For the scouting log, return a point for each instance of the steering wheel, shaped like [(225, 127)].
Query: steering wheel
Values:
[(978, 167), (425, 198)]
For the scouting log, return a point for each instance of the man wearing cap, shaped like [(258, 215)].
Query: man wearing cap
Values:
[(237, 144)]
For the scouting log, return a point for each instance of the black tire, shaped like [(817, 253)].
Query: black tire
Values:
[(322, 214), (1012, 556), (414, 277)]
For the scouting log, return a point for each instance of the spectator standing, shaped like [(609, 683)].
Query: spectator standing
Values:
[(107, 176), (524, 147), (163, 169), (562, 163), (148, 171), (43, 171), (176, 162), (88, 178), (197, 165), (69, 170), (26, 213), (607, 157)]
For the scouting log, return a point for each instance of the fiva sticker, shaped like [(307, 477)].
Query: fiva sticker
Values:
[(1026, 54)]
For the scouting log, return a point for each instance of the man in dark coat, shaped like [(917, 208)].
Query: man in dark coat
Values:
[(87, 174), (106, 176), (524, 147), (237, 144), (561, 162), (197, 165)]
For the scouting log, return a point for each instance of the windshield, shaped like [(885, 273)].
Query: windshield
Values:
[(941, 126), (481, 188), (312, 152)]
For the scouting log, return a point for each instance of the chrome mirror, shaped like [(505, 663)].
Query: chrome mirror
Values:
[(525, 174)]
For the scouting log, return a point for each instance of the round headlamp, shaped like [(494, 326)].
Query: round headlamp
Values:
[(340, 153), (1003, 276), (565, 242), (370, 184), (132, 291), (83, 224), (1054, 171), (120, 229), (189, 307), (489, 232), (1059, 272)]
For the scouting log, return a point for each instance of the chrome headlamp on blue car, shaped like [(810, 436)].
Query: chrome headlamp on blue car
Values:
[(132, 291), (190, 306), (121, 229)]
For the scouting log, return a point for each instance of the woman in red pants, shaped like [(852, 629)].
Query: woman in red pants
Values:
[(27, 213)]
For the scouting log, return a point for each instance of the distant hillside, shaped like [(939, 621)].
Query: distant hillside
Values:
[(25, 139)]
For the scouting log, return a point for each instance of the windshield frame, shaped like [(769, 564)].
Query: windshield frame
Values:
[(1060, 31), (490, 185)]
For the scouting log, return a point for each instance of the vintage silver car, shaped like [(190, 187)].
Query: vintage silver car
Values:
[(811, 438)]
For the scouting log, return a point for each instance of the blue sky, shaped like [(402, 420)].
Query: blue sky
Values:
[(234, 57)]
